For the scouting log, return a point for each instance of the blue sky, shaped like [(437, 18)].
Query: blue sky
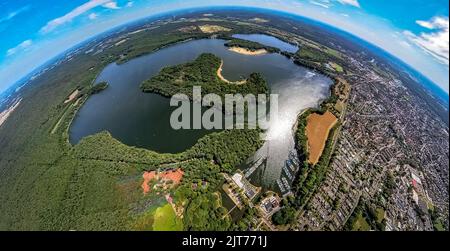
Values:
[(32, 32)]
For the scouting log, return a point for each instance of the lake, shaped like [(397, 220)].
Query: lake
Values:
[(143, 119), (268, 41)]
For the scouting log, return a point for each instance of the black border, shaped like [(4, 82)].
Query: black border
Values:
[(275, 240)]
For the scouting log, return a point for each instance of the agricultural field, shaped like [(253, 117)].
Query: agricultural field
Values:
[(317, 131), (159, 217), (207, 28)]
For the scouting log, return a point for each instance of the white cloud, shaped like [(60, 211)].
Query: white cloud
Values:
[(435, 23), (404, 43), (22, 46), (350, 2), (11, 15), (320, 4), (328, 3), (11, 71), (425, 24), (111, 5), (92, 16), (436, 41), (51, 25), (130, 4)]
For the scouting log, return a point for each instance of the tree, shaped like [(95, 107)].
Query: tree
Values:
[(284, 216)]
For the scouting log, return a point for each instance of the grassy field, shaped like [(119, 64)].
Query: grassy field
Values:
[(166, 220), (145, 221), (337, 67), (159, 216), (380, 214), (360, 224)]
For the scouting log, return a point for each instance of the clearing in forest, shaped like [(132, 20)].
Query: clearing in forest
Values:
[(164, 179)]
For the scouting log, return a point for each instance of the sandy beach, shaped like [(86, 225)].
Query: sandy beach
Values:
[(245, 51), (72, 96), (6, 113), (219, 74)]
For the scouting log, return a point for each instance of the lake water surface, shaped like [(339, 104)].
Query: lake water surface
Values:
[(268, 41), (143, 119)]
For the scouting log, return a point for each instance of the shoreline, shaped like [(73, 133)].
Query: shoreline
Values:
[(219, 74), (8, 111)]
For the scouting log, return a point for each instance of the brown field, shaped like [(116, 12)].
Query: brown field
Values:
[(162, 178), (188, 28), (317, 129), (207, 28)]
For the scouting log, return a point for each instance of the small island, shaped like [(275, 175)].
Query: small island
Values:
[(98, 87), (202, 72), (249, 47)]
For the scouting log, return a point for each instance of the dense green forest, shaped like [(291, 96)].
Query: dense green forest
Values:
[(98, 87), (319, 59), (201, 72), (284, 216)]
